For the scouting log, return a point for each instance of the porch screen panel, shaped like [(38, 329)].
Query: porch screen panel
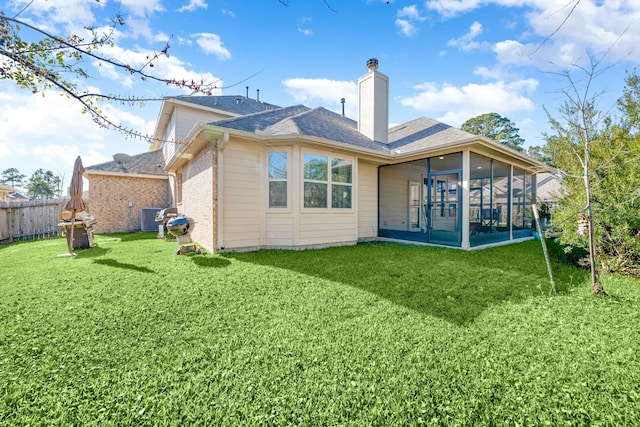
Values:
[(530, 191), (489, 194), (500, 197), (395, 218), (446, 162), (518, 204)]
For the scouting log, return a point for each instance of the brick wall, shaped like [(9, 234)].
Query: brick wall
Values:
[(199, 198), (109, 198)]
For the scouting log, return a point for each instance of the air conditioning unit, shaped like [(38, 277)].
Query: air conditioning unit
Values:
[(148, 219)]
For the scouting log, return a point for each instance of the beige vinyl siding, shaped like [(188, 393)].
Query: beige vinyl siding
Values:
[(367, 200), (182, 122), (327, 228), (243, 192), (279, 230), (186, 119), (169, 148), (394, 194)]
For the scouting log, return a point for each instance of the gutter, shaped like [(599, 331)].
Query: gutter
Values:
[(90, 172), (391, 156)]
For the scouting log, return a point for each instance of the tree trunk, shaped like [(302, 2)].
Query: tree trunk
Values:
[(596, 286)]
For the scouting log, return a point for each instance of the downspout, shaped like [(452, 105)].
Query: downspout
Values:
[(172, 190), (219, 184)]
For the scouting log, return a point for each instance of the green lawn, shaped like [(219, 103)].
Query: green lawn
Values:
[(376, 334)]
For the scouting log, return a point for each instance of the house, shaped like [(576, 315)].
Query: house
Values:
[(299, 177), (7, 192), (120, 191)]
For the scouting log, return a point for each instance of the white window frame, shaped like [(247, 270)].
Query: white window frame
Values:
[(329, 182), (286, 180)]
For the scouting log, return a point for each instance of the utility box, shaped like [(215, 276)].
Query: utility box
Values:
[(148, 219)]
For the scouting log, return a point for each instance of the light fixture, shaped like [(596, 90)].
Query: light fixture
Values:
[(441, 157)]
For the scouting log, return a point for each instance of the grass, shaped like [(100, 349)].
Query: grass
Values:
[(375, 334)]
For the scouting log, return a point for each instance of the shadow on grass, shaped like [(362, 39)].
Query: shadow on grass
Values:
[(210, 261), (131, 236), (113, 263), (454, 285), (94, 252)]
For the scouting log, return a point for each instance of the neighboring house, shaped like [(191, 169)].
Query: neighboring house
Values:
[(16, 197), (120, 190), (548, 192), (7, 192), (549, 186), (296, 177)]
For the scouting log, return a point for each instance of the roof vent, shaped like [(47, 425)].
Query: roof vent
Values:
[(372, 64)]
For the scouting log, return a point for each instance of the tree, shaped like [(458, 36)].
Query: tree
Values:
[(495, 127), (42, 185), (13, 177), (39, 61), (540, 153), (600, 161)]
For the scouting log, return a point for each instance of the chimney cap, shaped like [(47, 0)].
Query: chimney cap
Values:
[(372, 64)]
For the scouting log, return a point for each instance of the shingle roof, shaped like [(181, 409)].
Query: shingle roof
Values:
[(232, 103), (319, 122), (261, 121), (423, 133), (147, 163)]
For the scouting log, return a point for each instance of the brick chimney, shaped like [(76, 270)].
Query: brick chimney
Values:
[(373, 103)]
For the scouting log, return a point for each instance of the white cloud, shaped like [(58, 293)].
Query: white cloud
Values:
[(410, 12), (52, 118), (212, 44), (302, 28), (170, 68), (565, 32), (62, 157), (227, 12), (324, 92), (466, 42), (407, 19), (457, 104), (53, 12), (50, 132), (193, 5), (143, 7), (406, 28)]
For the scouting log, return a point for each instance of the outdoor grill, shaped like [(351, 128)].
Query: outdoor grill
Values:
[(164, 215), (181, 227), (178, 226), (83, 231)]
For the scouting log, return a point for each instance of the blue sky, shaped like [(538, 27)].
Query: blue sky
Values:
[(449, 60)]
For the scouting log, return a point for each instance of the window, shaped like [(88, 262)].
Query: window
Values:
[(323, 189), (278, 172)]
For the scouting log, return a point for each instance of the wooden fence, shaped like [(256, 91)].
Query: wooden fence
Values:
[(30, 219)]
